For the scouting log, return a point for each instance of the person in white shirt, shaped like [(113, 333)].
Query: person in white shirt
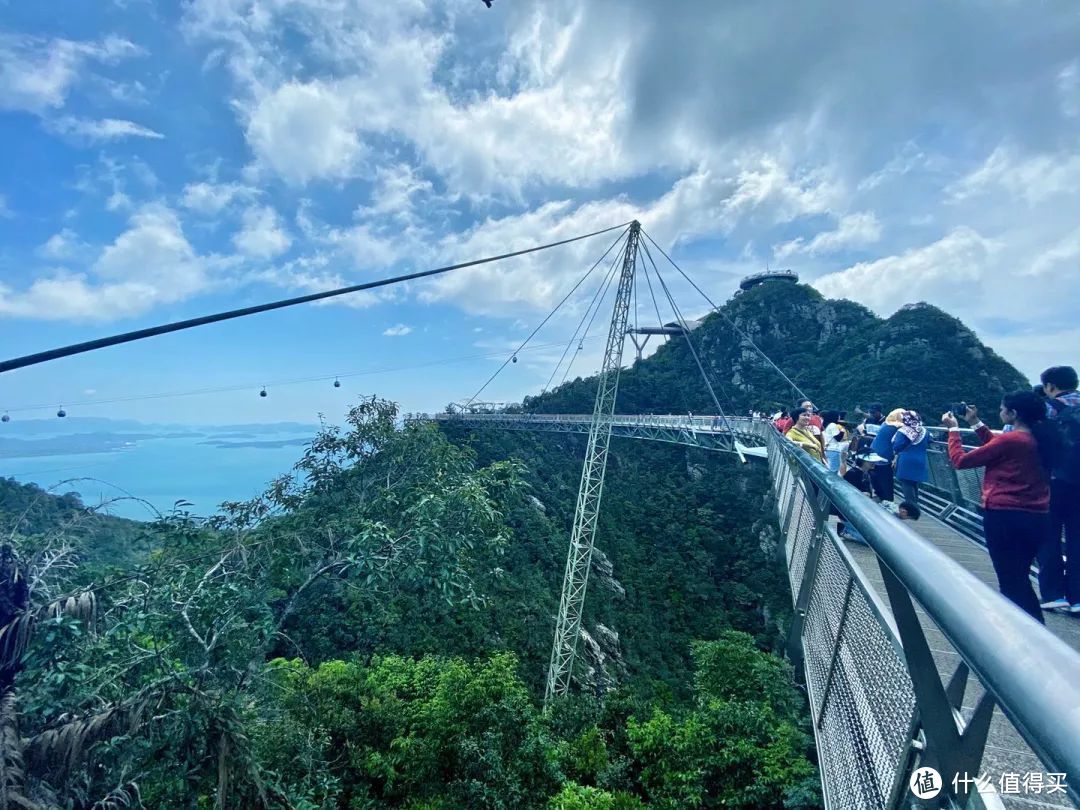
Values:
[(837, 439)]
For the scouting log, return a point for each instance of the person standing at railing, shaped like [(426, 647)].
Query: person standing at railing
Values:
[(800, 434), (881, 476), (836, 440), (1015, 490), (817, 426), (1059, 578), (910, 446), (783, 421)]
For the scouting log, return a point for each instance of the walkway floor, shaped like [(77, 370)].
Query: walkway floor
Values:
[(1006, 751)]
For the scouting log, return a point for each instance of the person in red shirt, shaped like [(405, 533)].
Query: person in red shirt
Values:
[(1015, 490)]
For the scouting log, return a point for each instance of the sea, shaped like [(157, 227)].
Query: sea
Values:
[(141, 471)]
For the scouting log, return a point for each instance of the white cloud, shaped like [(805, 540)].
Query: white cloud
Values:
[(309, 275), (1034, 178), (149, 264), (397, 331), (62, 246), (304, 132), (107, 129), (1060, 258), (36, 74), (262, 235), (154, 250), (395, 187), (853, 230), (953, 270), (117, 201), (212, 198)]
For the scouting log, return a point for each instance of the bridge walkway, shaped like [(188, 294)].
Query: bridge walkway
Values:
[(1006, 751)]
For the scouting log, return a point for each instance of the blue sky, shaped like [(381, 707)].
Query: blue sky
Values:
[(165, 160)]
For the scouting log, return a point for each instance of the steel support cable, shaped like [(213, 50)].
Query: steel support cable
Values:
[(659, 319), (547, 318), (599, 306), (730, 322), (176, 326), (271, 383), (648, 281), (577, 329), (686, 332)]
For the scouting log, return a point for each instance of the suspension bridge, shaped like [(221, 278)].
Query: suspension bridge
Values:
[(911, 658)]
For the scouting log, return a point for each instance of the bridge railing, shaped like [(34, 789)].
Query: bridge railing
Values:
[(878, 704)]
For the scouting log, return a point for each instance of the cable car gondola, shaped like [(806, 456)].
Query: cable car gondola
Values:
[(61, 413), (5, 418), (337, 383), (262, 393)]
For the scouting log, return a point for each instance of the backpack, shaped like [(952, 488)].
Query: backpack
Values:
[(1067, 465)]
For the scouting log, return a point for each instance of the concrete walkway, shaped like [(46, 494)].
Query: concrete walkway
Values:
[(1006, 751)]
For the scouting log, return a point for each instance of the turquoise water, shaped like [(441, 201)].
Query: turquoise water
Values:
[(161, 471)]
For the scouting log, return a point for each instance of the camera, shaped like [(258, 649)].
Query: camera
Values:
[(959, 409)]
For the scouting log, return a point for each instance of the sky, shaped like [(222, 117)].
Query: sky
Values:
[(168, 160)]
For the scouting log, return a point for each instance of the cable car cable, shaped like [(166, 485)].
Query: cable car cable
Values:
[(176, 326)]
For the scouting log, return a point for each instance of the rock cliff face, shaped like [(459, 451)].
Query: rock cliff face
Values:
[(838, 352)]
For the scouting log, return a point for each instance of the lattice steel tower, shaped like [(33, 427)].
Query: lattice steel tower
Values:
[(576, 579)]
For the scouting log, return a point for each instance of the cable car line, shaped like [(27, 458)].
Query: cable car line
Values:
[(176, 326), (276, 383)]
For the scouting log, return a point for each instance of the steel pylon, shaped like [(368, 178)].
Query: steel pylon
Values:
[(579, 558)]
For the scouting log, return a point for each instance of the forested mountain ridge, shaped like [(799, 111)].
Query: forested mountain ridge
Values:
[(94, 537), (372, 632), (838, 352)]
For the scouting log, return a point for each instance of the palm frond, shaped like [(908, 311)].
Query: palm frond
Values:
[(123, 797), (12, 770), (61, 748), (14, 637)]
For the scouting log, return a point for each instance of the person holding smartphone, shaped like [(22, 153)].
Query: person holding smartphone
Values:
[(1015, 490)]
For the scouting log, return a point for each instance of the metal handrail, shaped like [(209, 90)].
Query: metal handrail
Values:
[(1032, 674)]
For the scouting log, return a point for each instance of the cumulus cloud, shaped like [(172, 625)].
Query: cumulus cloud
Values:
[(36, 74), (262, 235), (397, 331), (212, 198), (304, 132), (944, 273), (150, 263), (106, 129), (1032, 177), (62, 245), (853, 230)]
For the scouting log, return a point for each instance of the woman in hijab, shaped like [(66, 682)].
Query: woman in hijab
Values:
[(910, 445)]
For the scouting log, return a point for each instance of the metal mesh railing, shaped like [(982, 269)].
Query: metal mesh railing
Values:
[(861, 698), (866, 659)]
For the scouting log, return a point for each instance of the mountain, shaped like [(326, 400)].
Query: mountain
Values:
[(838, 352), (40, 521), (375, 631)]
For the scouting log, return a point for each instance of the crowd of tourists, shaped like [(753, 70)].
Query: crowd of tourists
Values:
[(1030, 485)]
